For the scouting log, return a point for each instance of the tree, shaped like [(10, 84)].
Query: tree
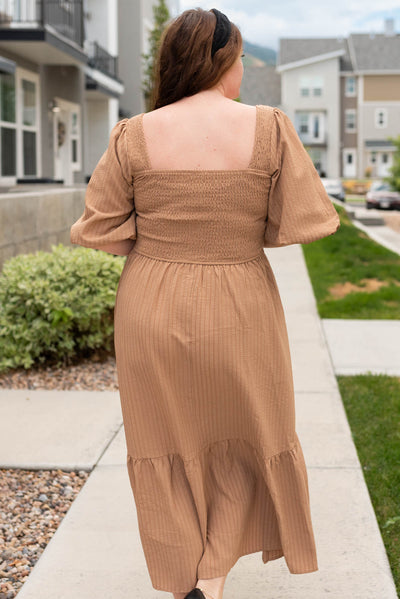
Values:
[(160, 18), (394, 178)]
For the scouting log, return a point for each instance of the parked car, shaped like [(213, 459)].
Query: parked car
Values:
[(382, 195), (334, 187)]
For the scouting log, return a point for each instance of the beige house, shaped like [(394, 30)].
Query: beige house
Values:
[(343, 96)]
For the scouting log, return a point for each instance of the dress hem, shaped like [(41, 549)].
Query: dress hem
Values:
[(261, 550)]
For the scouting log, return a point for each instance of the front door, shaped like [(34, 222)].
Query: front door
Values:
[(349, 164), (62, 158), (384, 163)]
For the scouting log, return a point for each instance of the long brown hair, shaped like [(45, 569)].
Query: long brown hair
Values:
[(184, 65)]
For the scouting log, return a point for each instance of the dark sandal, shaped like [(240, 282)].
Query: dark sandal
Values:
[(197, 593)]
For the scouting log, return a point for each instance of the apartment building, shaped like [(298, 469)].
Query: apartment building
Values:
[(135, 21), (59, 87), (343, 95)]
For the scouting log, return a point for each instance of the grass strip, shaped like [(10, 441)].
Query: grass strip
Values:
[(372, 404), (352, 275)]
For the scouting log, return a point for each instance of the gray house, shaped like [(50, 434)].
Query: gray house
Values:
[(59, 87), (135, 21)]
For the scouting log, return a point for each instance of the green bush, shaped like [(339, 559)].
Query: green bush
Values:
[(57, 306)]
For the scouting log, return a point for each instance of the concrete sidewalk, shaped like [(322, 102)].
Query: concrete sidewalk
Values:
[(96, 551), (363, 346), (371, 222)]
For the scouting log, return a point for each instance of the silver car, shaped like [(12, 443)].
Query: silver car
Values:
[(381, 195), (334, 187)]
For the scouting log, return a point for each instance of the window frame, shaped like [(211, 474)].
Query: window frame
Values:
[(10, 179), (347, 93), (21, 75), (379, 111), (347, 112), (304, 119)]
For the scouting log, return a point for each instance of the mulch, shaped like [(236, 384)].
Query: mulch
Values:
[(33, 503)]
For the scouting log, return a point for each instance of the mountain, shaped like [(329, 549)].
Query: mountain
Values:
[(267, 55)]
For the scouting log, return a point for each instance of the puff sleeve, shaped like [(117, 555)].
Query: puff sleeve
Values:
[(109, 219), (299, 209)]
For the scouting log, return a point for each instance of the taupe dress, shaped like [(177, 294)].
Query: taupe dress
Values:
[(203, 360)]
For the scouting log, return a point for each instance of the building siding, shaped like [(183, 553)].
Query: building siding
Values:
[(382, 87)]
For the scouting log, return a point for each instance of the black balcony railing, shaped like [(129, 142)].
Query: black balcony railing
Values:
[(102, 60), (64, 16)]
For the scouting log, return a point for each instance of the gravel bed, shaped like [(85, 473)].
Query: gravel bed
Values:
[(32, 506), (92, 374), (34, 502)]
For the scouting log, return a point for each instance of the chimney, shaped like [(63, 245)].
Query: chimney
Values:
[(389, 27)]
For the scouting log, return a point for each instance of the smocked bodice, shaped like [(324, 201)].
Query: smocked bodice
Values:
[(205, 215), (201, 216)]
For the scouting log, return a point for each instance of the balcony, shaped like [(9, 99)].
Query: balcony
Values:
[(45, 31), (101, 60)]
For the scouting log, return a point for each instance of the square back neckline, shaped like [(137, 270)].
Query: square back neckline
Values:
[(250, 167)]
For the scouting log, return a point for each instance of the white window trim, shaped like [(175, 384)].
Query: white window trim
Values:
[(309, 136), (11, 179), (35, 78), (346, 92), (73, 107), (385, 118), (370, 161), (350, 111)]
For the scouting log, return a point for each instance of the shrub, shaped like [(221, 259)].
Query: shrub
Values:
[(57, 305)]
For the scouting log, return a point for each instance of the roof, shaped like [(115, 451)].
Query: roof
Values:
[(261, 85), (363, 51), (376, 51), (295, 49)]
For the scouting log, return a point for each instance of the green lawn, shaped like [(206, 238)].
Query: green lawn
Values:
[(350, 258), (372, 404)]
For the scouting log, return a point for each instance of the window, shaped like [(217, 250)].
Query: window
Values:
[(29, 102), (29, 152), (305, 84), (8, 152), (8, 127), (350, 120), (385, 158), (316, 126), (381, 118), (29, 124), (7, 92), (350, 89), (349, 158), (372, 157), (75, 145), (317, 83), (316, 157), (311, 85), (303, 123)]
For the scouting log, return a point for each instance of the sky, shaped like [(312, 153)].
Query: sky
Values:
[(264, 22)]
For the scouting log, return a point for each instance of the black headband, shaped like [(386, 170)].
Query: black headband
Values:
[(222, 31)]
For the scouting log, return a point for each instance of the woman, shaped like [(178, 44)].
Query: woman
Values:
[(191, 192)]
